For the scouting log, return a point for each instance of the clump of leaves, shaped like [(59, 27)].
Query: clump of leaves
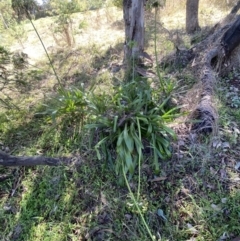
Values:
[(133, 121), (71, 104)]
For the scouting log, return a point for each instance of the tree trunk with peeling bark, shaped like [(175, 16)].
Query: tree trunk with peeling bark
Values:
[(133, 13)]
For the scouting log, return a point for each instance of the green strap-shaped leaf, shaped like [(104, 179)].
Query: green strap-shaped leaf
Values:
[(128, 139), (167, 151), (120, 139), (115, 123), (145, 120), (164, 103), (155, 156), (149, 130), (129, 161), (169, 131), (162, 141)]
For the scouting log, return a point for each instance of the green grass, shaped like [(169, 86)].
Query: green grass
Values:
[(84, 201), (195, 195)]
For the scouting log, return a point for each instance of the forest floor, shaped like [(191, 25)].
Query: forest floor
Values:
[(195, 196)]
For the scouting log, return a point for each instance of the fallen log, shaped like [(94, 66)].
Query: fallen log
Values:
[(208, 59), (213, 63), (9, 160)]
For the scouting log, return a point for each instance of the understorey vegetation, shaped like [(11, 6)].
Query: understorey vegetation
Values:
[(96, 148)]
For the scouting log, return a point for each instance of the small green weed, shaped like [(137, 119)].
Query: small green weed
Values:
[(69, 103), (83, 24)]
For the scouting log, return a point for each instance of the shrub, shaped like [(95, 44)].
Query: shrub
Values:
[(133, 120)]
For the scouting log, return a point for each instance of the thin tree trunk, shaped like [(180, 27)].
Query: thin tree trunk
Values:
[(133, 11), (192, 24)]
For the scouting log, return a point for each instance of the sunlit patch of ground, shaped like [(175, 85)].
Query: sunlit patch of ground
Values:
[(98, 27)]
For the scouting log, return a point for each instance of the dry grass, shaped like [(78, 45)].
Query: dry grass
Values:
[(97, 29)]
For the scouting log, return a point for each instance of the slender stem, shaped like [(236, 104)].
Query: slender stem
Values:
[(50, 61), (155, 51), (139, 160), (136, 205), (133, 71)]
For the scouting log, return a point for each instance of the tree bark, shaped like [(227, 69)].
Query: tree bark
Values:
[(133, 12), (192, 24)]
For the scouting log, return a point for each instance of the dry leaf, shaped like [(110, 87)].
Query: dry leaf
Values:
[(224, 200), (215, 207), (223, 174), (185, 191), (192, 229), (235, 179), (157, 179), (216, 144), (236, 130), (225, 145), (145, 73), (104, 199), (224, 237), (212, 171), (181, 143), (237, 166)]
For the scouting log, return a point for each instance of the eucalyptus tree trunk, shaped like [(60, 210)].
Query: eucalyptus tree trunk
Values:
[(133, 11), (192, 24)]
